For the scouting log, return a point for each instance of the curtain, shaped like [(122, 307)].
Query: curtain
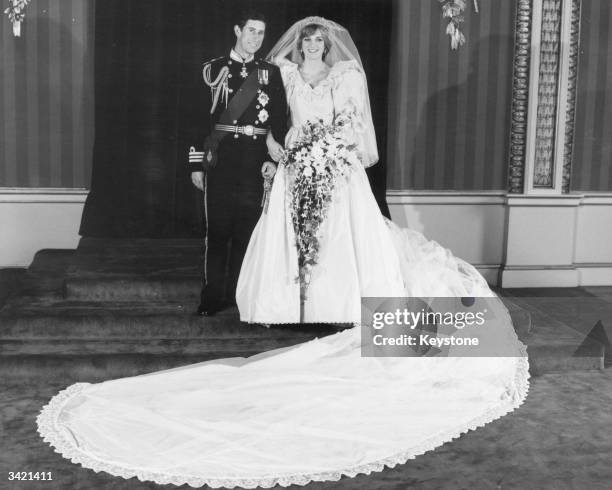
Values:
[(148, 58)]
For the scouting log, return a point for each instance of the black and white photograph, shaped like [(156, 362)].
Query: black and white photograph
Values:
[(319, 244)]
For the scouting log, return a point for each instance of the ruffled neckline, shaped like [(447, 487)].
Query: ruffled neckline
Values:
[(323, 81), (291, 70)]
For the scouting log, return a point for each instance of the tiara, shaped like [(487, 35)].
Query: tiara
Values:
[(331, 25)]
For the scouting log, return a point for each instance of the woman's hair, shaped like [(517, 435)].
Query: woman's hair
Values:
[(309, 30)]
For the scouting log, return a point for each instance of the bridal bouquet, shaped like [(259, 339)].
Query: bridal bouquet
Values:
[(316, 163)]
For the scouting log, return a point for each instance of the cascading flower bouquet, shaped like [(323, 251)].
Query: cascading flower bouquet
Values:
[(317, 162)]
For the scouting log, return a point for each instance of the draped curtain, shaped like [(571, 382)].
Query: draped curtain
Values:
[(148, 58)]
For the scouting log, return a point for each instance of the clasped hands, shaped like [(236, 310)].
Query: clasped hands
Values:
[(276, 151)]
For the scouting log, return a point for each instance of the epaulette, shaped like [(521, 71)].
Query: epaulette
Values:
[(218, 84), (212, 61)]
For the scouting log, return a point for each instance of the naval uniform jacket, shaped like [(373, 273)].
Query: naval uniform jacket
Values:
[(241, 156)]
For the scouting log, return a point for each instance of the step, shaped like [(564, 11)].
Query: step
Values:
[(563, 320), (194, 346), (135, 270), (133, 288), (554, 347), (75, 320), (99, 367)]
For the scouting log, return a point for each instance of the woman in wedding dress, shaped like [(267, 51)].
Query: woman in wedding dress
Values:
[(318, 410)]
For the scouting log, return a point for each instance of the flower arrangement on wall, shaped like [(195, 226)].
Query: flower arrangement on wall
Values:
[(453, 10), (16, 14)]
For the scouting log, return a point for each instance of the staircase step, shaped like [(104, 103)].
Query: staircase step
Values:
[(55, 261), (562, 321), (133, 288), (135, 270), (236, 346), (99, 367), (555, 347), (77, 320)]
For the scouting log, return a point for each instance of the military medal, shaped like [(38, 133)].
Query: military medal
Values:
[(263, 76), (243, 72)]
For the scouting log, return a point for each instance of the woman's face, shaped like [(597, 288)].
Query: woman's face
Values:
[(313, 46)]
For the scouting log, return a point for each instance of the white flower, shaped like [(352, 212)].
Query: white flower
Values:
[(317, 153), (307, 171), (263, 115)]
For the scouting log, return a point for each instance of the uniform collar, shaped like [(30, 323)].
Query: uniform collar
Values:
[(236, 57)]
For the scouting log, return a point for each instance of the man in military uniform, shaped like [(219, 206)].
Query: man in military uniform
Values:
[(248, 111)]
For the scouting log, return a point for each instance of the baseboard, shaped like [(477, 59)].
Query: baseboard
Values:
[(539, 277), (594, 274), (489, 272)]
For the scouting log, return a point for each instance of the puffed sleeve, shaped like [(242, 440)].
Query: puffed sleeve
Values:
[(288, 71), (351, 102)]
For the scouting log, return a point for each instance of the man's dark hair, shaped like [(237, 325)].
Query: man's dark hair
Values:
[(250, 14)]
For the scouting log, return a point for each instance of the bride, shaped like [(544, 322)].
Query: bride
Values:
[(324, 82), (318, 410)]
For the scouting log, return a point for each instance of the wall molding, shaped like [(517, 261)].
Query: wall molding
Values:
[(520, 96), (542, 174), (396, 197), (42, 195), (401, 197), (545, 200), (569, 88)]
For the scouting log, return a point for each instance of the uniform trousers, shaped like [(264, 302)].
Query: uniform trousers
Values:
[(234, 191)]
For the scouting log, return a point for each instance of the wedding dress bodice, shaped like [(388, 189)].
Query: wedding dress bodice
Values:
[(341, 90)]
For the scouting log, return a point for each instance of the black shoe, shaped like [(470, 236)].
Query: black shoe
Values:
[(209, 308)]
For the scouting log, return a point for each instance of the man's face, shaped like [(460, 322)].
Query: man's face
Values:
[(250, 37)]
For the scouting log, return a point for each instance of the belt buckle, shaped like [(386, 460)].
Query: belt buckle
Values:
[(248, 130)]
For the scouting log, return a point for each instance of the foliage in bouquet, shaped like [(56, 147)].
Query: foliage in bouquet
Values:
[(316, 163)]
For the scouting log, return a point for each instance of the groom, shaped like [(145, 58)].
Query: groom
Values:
[(248, 117)]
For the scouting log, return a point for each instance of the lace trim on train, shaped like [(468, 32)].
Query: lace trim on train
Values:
[(48, 429)]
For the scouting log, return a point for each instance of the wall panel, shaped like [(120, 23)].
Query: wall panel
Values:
[(592, 158), (46, 96), (449, 111)]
